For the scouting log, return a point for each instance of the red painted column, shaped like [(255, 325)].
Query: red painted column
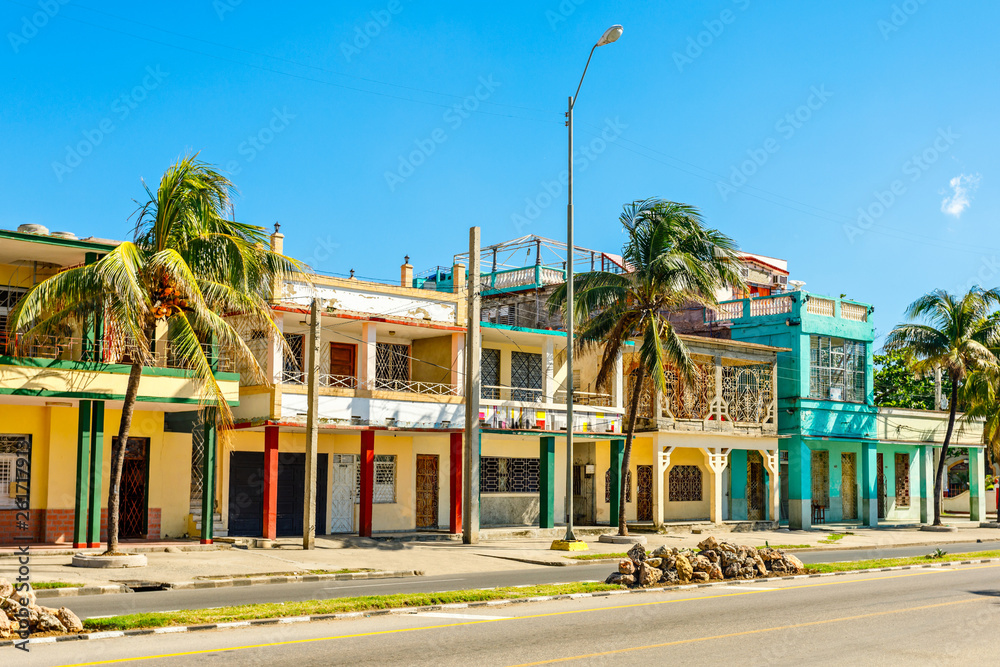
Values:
[(367, 483), (455, 485), (270, 528)]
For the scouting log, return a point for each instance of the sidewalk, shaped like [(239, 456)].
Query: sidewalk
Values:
[(444, 557)]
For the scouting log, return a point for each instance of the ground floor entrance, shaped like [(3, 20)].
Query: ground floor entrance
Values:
[(246, 494)]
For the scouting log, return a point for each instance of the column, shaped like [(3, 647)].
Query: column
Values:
[(457, 362), (738, 485), (455, 484), (869, 484), (270, 527), (548, 370), (717, 459), (547, 481), (208, 478), (617, 382), (799, 484), (366, 356), (82, 477), (926, 481), (367, 490), (95, 493), (275, 364), (661, 462), (774, 483), (617, 457), (977, 488)]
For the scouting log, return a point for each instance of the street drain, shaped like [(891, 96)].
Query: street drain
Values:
[(142, 586)]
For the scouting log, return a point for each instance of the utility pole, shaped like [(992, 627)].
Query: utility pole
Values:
[(473, 351), (312, 432)]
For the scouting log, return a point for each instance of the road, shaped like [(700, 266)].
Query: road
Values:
[(924, 616), (106, 605)]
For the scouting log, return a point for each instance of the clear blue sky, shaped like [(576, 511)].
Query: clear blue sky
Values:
[(311, 114)]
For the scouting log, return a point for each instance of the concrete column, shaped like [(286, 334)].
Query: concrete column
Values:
[(547, 482), (774, 483), (275, 364), (661, 462), (455, 484), (617, 457), (799, 484), (312, 429), (457, 362), (617, 382), (926, 482), (548, 370), (270, 527), (717, 458), (977, 488), (367, 490), (208, 479), (366, 356), (869, 484), (738, 485), (96, 491), (82, 505)]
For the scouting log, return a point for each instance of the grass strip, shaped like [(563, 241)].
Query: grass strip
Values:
[(296, 573), (42, 585), (611, 556), (334, 606), (876, 563)]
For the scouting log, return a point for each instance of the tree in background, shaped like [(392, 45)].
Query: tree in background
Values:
[(897, 386)]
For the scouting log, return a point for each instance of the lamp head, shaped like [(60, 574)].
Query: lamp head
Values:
[(610, 35)]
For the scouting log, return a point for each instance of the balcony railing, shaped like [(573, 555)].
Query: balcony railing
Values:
[(780, 304), (379, 384), (325, 379), (820, 306), (585, 398), (69, 348)]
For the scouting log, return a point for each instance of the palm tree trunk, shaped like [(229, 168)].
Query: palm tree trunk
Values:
[(633, 410), (939, 477), (118, 456)]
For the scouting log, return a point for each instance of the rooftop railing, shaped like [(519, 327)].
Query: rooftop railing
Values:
[(74, 348)]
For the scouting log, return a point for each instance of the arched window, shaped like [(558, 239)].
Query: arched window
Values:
[(685, 484), (607, 486)]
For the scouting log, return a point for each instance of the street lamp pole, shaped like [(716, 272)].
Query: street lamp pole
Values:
[(610, 35)]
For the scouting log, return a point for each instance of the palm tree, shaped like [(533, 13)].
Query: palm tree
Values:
[(981, 398), (957, 335), (186, 266), (672, 259)]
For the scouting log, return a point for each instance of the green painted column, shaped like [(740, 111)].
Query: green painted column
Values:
[(95, 498), (82, 504), (546, 481), (617, 458), (738, 485), (799, 484), (869, 484), (977, 485), (208, 478), (926, 467)]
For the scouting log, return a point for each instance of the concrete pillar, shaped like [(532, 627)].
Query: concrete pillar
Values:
[(617, 457), (548, 370), (457, 362), (95, 494), (455, 484), (738, 485), (717, 458), (312, 429), (547, 482), (661, 462), (82, 505), (773, 482), (208, 479), (869, 484), (367, 490), (977, 487), (926, 482), (799, 484), (617, 382), (270, 527), (366, 356)]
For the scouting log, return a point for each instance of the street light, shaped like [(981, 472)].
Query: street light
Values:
[(610, 35)]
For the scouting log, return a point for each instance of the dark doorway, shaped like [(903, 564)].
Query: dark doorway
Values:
[(427, 491), (246, 494), (132, 511), (756, 494), (880, 477)]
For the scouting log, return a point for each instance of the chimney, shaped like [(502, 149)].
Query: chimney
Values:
[(406, 273), (277, 245), (457, 278)]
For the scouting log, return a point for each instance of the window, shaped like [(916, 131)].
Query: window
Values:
[(607, 486), (499, 474), (392, 366), (837, 369), (294, 362), (685, 484), (820, 468), (12, 447), (902, 480), (385, 479), (526, 376), (490, 373)]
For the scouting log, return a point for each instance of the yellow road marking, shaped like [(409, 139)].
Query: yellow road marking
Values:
[(749, 591)]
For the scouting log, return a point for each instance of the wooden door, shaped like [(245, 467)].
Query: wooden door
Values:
[(849, 486), (755, 487), (343, 359), (134, 487), (644, 493), (880, 480), (427, 490)]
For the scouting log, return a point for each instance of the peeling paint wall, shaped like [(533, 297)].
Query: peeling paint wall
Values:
[(382, 305)]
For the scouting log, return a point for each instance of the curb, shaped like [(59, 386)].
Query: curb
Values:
[(229, 582), (464, 605)]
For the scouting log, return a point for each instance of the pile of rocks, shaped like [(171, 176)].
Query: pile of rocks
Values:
[(713, 560), (39, 619)]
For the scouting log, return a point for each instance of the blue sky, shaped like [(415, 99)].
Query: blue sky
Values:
[(783, 122)]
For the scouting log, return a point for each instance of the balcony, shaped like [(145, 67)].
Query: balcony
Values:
[(745, 310), (68, 348)]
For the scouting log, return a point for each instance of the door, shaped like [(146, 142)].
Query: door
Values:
[(644, 493), (291, 494), (343, 492), (755, 487), (880, 478), (135, 472), (246, 494), (427, 491), (343, 359), (821, 477), (849, 486)]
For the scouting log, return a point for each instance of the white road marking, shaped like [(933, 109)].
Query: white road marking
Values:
[(337, 588), (464, 617)]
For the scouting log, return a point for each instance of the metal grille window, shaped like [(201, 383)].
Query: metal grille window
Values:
[(293, 362), (607, 486), (490, 373), (685, 484), (837, 369), (385, 479), (12, 447), (821, 477), (526, 376), (498, 474), (9, 296), (902, 480), (392, 366)]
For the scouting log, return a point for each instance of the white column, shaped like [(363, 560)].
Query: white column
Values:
[(718, 459), (548, 370), (457, 361), (275, 352), (617, 382), (366, 356), (661, 462), (977, 488), (771, 463)]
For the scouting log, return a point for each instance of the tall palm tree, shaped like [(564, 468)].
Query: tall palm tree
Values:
[(956, 334), (981, 398), (186, 266), (672, 259)]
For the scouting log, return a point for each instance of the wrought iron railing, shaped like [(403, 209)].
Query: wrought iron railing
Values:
[(164, 354)]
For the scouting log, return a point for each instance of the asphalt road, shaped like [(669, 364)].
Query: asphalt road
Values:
[(106, 605), (923, 616)]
